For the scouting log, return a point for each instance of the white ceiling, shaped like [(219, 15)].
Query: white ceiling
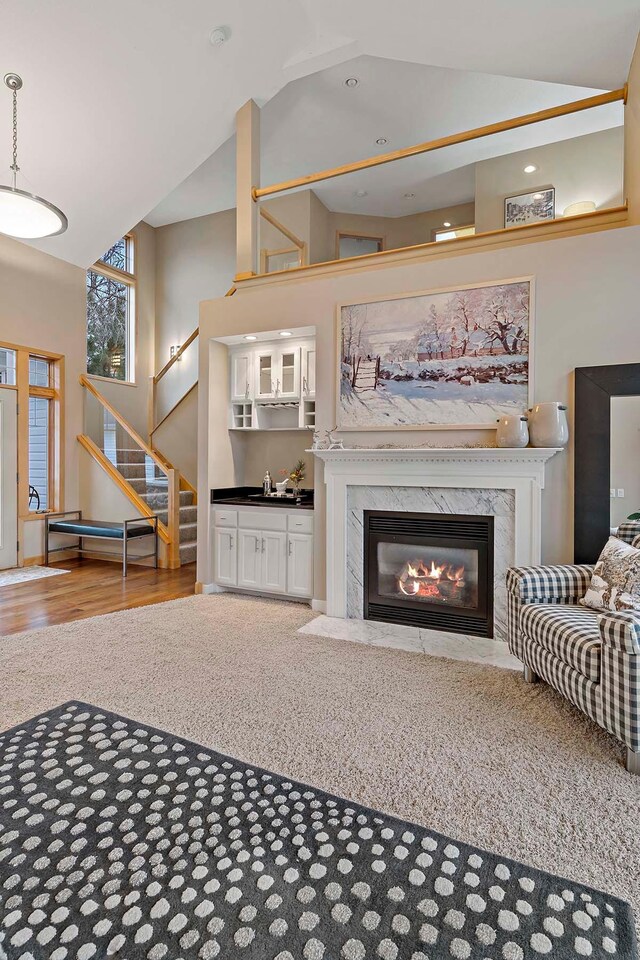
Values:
[(124, 101), (316, 122)]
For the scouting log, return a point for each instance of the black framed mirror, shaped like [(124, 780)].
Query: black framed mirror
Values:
[(595, 391)]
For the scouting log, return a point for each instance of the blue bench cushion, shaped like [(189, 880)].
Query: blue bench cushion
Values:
[(100, 528)]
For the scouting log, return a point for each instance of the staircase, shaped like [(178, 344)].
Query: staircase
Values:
[(141, 473)]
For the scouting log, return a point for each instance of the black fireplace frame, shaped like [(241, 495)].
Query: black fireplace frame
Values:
[(474, 532)]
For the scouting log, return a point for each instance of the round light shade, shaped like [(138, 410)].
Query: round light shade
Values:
[(582, 206), (28, 217)]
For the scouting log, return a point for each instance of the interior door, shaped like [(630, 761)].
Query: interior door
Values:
[(8, 483)]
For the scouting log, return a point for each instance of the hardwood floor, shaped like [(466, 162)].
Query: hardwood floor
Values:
[(91, 588)]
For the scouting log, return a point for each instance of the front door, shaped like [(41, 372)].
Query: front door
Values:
[(8, 483)]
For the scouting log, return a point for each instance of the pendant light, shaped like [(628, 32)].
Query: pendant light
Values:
[(22, 214)]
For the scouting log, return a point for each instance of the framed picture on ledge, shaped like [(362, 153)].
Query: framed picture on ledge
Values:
[(452, 358), (530, 207)]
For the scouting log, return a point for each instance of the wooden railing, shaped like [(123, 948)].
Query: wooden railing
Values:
[(539, 116), (297, 244), (152, 424), (169, 533)]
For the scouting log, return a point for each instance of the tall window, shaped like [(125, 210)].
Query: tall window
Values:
[(42, 394), (111, 284)]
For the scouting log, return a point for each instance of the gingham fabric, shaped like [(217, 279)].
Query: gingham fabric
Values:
[(584, 693), (569, 632), (621, 631), (636, 542), (561, 583), (629, 530), (619, 695)]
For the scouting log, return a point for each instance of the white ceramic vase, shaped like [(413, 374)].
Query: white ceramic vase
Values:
[(512, 431), (548, 424)]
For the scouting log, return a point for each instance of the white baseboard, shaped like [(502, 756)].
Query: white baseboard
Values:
[(320, 606), (209, 588)]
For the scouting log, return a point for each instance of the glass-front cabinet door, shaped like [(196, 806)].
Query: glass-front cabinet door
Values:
[(266, 374), (288, 373)]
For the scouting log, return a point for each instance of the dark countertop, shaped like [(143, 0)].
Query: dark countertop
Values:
[(240, 497)]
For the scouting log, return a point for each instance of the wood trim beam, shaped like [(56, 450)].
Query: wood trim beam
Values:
[(141, 505), (610, 218), (177, 355), (487, 130), (135, 436)]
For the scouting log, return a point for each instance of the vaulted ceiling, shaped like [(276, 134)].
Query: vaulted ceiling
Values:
[(123, 101)]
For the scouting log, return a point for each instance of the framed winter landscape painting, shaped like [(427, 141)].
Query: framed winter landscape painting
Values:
[(530, 207), (449, 358)]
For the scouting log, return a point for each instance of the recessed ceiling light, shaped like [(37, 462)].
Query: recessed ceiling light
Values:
[(285, 333), (359, 194), (351, 82), (219, 35), (408, 196), (381, 141), (250, 336), (530, 168), (446, 224)]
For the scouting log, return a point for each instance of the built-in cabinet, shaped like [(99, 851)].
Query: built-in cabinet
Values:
[(273, 385), (263, 549)]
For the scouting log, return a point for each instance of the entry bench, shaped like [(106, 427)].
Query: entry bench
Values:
[(101, 530)]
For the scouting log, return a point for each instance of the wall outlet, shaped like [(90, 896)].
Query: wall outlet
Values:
[(620, 492), (612, 493)]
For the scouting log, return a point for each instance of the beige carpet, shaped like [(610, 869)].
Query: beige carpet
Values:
[(466, 749)]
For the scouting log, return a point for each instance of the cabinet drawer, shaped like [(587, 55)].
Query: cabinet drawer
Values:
[(301, 522), (226, 518), (262, 519)]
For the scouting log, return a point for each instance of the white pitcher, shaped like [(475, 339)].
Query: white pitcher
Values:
[(548, 424), (512, 431)]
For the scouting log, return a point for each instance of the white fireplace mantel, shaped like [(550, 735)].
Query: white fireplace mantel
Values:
[(488, 468)]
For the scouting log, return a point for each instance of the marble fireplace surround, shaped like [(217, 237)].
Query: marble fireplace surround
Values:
[(504, 483)]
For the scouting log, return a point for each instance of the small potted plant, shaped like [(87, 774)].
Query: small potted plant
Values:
[(295, 477)]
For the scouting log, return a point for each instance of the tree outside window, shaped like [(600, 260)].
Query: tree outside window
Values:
[(110, 313)]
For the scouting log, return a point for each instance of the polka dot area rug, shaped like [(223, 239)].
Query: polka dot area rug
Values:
[(120, 840)]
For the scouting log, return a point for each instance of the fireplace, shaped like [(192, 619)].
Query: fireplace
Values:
[(429, 570)]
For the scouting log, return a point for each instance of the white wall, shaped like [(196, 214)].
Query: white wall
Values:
[(43, 306), (583, 168), (587, 293)]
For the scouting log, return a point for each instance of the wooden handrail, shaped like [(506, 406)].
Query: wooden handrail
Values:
[(296, 241), (550, 113), (158, 377), (135, 436), (114, 474), (176, 404)]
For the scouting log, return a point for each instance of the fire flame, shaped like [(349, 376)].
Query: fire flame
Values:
[(424, 578)]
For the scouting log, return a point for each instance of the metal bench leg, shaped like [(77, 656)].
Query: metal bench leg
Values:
[(155, 545), (46, 541), (124, 551)]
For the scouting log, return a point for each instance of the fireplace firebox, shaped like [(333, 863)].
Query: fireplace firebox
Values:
[(429, 570)]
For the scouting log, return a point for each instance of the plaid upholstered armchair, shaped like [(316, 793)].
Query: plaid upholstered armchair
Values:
[(591, 658)]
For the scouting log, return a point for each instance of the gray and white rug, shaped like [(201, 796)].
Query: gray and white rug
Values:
[(120, 840), (25, 574)]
